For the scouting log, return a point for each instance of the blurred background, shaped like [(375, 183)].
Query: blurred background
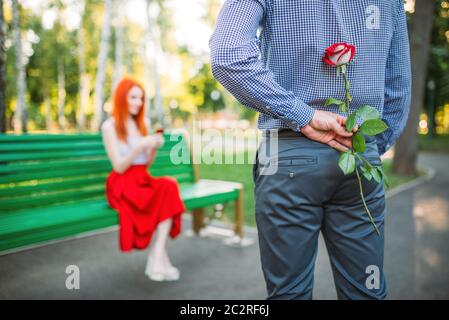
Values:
[(74, 51)]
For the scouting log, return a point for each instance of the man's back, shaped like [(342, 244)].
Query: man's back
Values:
[(290, 80)]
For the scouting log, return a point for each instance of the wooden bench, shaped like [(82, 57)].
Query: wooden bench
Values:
[(53, 186)]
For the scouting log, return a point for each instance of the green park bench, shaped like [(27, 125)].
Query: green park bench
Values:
[(53, 187)]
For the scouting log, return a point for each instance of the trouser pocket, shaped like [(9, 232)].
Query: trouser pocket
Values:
[(255, 166)]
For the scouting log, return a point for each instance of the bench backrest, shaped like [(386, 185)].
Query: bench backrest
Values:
[(44, 169)]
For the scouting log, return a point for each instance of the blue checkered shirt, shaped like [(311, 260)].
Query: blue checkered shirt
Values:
[(268, 54)]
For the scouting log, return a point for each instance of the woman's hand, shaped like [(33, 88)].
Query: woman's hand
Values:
[(159, 140), (148, 142), (151, 142)]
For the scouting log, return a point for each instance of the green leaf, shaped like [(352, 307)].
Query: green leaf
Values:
[(372, 127), (330, 101), (338, 71), (366, 173), (376, 174), (346, 162), (350, 121), (367, 112), (382, 172), (368, 165), (358, 142), (343, 108)]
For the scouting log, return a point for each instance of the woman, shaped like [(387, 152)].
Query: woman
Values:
[(145, 204)]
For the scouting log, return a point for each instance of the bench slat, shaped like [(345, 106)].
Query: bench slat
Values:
[(60, 232), (15, 138), (27, 156), (56, 173), (78, 182), (13, 204), (44, 165), (62, 145), (69, 154)]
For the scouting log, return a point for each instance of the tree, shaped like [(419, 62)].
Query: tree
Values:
[(60, 47), (154, 39), (406, 149), (102, 63), (2, 71), (20, 112), (438, 69), (118, 53), (84, 79)]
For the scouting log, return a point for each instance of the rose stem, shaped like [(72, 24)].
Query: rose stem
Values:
[(363, 199), (346, 87)]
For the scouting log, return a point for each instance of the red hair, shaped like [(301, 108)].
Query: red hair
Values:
[(121, 111)]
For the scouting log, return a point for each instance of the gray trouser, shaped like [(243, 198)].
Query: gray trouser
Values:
[(307, 193)]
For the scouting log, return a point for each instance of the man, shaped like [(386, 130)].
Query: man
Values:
[(280, 74)]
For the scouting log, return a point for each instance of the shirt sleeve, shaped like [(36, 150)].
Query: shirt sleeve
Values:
[(236, 64), (398, 83)]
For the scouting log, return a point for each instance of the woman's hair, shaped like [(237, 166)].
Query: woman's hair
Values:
[(121, 110)]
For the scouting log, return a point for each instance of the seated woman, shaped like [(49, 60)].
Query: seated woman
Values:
[(145, 204)]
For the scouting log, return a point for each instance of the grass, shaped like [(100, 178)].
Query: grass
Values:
[(438, 143), (233, 172), (243, 173)]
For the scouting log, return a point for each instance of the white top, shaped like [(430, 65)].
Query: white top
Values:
[(125, 149)]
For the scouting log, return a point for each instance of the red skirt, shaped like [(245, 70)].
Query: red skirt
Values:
[(142, 201)]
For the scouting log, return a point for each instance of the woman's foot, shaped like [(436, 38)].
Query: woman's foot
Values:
[(159, 268), (155, 268), (172, 272)]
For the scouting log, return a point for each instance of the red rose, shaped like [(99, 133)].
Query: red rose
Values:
[(339, 54)]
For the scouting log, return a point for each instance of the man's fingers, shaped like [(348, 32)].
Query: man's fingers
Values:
[(345, 141), (340, 130), (341, 120), (336, 145)]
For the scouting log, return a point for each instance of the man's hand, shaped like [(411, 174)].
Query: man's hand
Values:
[(327, 127)]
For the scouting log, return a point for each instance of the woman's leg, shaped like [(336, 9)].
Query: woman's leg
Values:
[(158, 254)]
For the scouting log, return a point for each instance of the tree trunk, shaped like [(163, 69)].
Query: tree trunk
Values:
[(102, 64), (153, 33), (148, 49), (62, 122), (406, 149), (84, 85), (118, 63), (20, 112), (47, 103), (84, 79), (2, 72)]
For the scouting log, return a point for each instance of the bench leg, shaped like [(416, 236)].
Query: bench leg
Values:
[(198, 220), (238, 227)]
